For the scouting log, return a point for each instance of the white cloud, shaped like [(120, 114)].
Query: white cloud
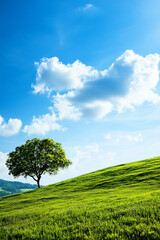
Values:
[(143, 81), (43, 124), (97, 109), (54, 75), (88, 6), (65, 109), (11, 128), (129, 82), (83, 92)]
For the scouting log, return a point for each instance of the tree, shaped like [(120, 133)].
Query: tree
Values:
[(37, 157)]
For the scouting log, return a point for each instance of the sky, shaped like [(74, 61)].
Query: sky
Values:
[(83, 73)]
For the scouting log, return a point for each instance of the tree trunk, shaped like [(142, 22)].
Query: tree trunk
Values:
[(38, 183)]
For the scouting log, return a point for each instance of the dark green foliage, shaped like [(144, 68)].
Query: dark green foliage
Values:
[(116, 203), (37, 157), (12, 187), (17, 185), (4, 193)]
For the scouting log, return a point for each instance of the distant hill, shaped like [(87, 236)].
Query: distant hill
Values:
[(115, 203), (12, 187)]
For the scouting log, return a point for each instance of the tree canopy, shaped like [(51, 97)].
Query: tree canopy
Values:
[(37, 157)]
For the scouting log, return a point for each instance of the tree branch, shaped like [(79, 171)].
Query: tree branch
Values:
[(33, 178)]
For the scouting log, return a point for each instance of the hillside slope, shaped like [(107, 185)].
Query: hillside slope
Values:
[(120, 202), (12, 187)]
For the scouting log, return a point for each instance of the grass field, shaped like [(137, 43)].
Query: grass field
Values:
[(121, 202), (26, 190)]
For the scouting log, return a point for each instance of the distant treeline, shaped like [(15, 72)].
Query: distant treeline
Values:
[(12, 187)]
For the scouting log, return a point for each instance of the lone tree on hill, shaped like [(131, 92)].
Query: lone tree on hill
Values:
[(37, 157)]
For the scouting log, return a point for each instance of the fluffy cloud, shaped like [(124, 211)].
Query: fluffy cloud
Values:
[(11, 128), (65, 109), (143, 81), (129, 82), (54, 75), (96, 109), (81, 91), (43, 124), (110, 83)]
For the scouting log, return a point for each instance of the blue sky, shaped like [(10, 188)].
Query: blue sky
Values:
[(84, 73)]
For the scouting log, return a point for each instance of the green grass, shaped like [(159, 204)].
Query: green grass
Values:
[(3, 192), (121, 202), (26, 190)]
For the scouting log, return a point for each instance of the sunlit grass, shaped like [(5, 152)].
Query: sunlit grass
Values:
[(121, 202), (26, 189)]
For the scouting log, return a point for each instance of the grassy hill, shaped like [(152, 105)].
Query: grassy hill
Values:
[(121, 202), (12, 187)]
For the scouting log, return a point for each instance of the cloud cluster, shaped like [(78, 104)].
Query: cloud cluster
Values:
[(65, 109), (80, 91), (12, 127), (127, 83), (54, 75), (43, 124)]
